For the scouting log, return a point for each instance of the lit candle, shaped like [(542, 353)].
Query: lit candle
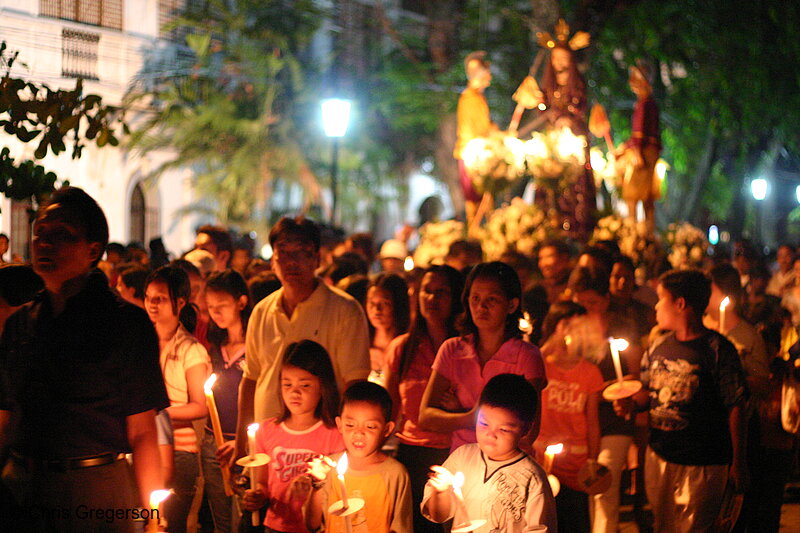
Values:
[(251, 440), (213, 414), (156, 497), (617, 345), (549, 455), (458, 482), (525, 325), (408, 264), (341, 468), (723, 310)]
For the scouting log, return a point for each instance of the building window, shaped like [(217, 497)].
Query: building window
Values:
[(79, 54), (105, 13), (21, 223)]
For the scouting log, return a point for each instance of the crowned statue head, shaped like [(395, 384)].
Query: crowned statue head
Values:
[(562, 69)]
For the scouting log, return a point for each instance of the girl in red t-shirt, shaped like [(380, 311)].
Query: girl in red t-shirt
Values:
[(306, 428)]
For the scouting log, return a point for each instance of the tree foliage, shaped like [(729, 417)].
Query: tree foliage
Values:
[(229, 115), (52, 118)]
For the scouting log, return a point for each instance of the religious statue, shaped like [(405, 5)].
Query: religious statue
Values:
[(473, 121), (637, 157), (562, 101)]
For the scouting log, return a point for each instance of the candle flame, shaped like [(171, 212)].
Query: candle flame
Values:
[(158, 496), (252, 428), (724, 303), (341, 466), (554, 449), (525, 323), (408, 264), (207, 386), (619, 344)]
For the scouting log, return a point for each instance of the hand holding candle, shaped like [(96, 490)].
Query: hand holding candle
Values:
[(213, 416)]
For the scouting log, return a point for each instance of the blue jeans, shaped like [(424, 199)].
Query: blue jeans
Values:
[(214, 488), (184, 485)]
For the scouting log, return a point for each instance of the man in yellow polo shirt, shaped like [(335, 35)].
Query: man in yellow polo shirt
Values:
[(303, 308)]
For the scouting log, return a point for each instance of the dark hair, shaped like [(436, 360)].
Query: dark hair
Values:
[(356, 286), (397, 288), (230, 282), (726, 277), (692, 285), (471, 247), (295, 229), (588, 279), (19, 284), (262, 285), (364, 245), (513, 393), (576, 86), (625, 261), (187, 266), (562, 248), (347, 264), (419, 329), (602, 257), (115, 247), (134, 276), (314, 359), (507, 278), (178, 286), (255, 267), (558, 312), (371, 393), (219, 236), (84, 212)]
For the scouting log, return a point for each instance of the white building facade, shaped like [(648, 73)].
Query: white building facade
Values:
[(103, 42)]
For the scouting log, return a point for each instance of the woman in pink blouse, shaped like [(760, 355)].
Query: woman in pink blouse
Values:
[(490, 345), (409, 360)]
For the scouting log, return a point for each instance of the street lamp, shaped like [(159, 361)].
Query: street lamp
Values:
[(758, 187), (335, 116)]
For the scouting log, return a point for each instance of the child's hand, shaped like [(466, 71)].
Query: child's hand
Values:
[(319, 467), (253, 500), (441, 479), (299, 488)]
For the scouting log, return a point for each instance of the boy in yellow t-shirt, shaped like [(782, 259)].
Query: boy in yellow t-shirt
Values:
[(381, 481)]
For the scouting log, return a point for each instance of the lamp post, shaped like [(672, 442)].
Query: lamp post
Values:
[(335, 116), (758, 187)]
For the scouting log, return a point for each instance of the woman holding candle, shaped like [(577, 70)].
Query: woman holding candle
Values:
[(410, 357), (590, 289), (569, 407), (307, 428), (490, 344), (185, 366), (228, 304), (388, 316)]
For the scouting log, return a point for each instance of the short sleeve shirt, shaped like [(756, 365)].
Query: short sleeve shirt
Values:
[(329, 317), (458, 361)]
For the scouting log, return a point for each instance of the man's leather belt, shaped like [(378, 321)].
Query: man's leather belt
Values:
[(69, 463)]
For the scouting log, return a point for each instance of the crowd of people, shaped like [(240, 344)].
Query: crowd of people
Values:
[(433, 395)]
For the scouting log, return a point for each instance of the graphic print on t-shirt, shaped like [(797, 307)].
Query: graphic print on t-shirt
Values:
[(289, 463), (673, 383), (565, 396)]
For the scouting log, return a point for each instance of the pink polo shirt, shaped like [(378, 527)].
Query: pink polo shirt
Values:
[(458, 361)]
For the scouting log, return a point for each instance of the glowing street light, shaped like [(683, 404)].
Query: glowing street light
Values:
[(797, 193), (758, 187), (335, 118)]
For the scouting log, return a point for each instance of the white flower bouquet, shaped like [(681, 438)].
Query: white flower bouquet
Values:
[(518, 226), (688, 245), (633, 238), (494, 162), (435, 239), (555, 158)]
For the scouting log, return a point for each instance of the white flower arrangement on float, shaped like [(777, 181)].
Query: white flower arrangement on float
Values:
[(688, 245), (555, 158), (495, 162), (435, 239), (633, 239), (519, 226)]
